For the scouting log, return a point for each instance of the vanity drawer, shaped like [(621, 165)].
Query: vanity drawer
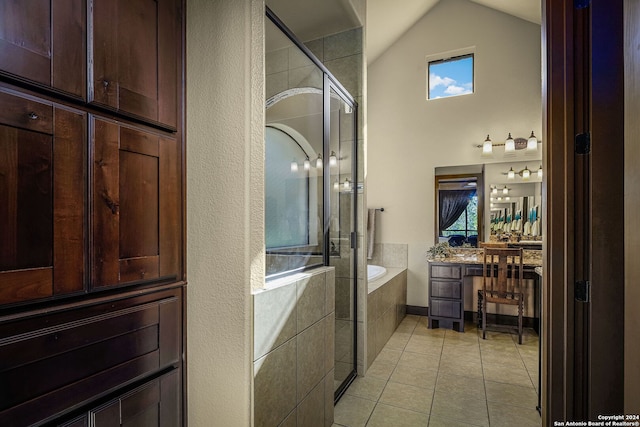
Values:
[(443, 271), (446, 289), (445, 308)]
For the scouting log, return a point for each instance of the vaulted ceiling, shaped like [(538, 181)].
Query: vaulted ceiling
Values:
[(387, 20)]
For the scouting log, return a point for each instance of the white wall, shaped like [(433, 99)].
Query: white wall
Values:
[(409, 136), (225, 204)]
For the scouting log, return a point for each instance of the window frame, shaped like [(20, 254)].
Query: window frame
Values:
[(444, 59), (479, 179)]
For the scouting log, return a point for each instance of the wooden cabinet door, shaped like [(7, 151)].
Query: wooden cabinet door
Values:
[(136, 205), (135, 57), (43, 41), (42, 190)]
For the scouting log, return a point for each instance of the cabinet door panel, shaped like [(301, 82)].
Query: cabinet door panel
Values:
[(136, 205), (44, 41), (135, 57), (42, 164)]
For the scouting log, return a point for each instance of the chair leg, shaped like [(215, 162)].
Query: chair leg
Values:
[(520, 310), (479, 320), (484, 318)]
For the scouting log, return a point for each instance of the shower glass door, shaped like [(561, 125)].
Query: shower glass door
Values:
[(340, 220)]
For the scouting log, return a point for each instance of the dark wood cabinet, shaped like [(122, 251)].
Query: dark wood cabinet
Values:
[(135, 57), (92, 214), (136, 204), (42, 174), (446, 295), (44, 42)]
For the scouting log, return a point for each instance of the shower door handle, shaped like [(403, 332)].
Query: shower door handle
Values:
[(354, 240)]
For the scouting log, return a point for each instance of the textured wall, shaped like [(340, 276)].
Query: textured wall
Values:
[(408, 136), (225, 236)]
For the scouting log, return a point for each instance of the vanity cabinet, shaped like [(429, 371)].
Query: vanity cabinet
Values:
[(134, 58), (43, 42), (446, 295)]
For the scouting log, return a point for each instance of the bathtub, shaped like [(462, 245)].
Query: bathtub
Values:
[(375, 272)]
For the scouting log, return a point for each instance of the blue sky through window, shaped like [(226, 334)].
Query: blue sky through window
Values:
[(451, 77)]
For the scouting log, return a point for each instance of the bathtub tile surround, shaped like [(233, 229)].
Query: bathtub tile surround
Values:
[(386, 307), (390, 255), (294, 335)]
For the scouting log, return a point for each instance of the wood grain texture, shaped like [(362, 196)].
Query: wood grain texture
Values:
[(26, 113), (169, 20), (23, 285), (139, 269), (170, 208), (69, 47)]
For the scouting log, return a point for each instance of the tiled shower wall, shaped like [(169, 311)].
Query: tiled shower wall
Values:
[(294, 350)]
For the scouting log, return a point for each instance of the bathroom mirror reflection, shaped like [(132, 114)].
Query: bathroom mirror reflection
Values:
[(509, 201)]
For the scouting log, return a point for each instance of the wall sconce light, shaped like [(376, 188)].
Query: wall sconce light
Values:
[(333, 160), (511, 174), (505, 190), (336, 185), (487, 147), (532, 143), (307, 164), (294, 166), (509, 145), (526, 173), (492, 204), (507, 198), (347, 184), (494, 190), (319, 161)]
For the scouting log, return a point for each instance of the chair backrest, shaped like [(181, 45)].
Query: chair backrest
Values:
[(493, 244), (502, 270)]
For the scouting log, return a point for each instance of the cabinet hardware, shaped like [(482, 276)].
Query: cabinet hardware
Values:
[(33, 116), (582, 290), (583, 143)]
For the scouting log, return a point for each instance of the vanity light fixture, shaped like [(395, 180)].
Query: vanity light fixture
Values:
[(505, 190), (347, 184), (333, 160), (526, 173), (487, 147), (540, 172), (294, 166), (494, 190), (307, 164), (509, 145), (532, 143), (336, 185), (507, 198), (492, 204), (511, 174), (499, 199), (319, 161)]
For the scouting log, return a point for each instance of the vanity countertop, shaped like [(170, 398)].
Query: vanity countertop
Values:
[(531, 258)]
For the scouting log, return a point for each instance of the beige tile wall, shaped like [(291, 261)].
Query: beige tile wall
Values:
[(294, 334)]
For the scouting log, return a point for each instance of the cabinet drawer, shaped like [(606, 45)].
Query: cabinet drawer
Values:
[(446, 289), (445, 308), (440, 271)]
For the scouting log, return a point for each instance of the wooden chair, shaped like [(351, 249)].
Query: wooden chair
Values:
[(502, 283)]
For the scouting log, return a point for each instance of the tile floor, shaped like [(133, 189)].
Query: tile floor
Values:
[(439, 377)]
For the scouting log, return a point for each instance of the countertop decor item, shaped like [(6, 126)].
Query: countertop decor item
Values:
[(439, 251)]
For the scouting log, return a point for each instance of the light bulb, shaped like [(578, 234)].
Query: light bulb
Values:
[(333, 160), (507, 198), (336, 185), (532, 143), (319, 161), (509, 145), (505, 190), (306, 164), (511, 174), (494, 190), (347, 184), (526, 173), (294, 166), (492, 204), (487, 147), (540, 172)]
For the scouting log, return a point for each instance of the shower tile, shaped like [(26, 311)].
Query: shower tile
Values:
[(311, 409), (275, 385), (311, 293), (343, 44), (309, 76), (310, 358), (274, 318), (360, 344), (276, 61), (317, 48), (395, 255), (276, 83), (371, 341), (291, 420), (330, 300), (328, 398), (348, 71), (329, 342), (344, 299), (297, 58)]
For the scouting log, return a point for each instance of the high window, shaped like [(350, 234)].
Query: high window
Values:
[(450, 77)]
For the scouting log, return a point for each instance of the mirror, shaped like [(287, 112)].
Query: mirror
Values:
[(509, 205)]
